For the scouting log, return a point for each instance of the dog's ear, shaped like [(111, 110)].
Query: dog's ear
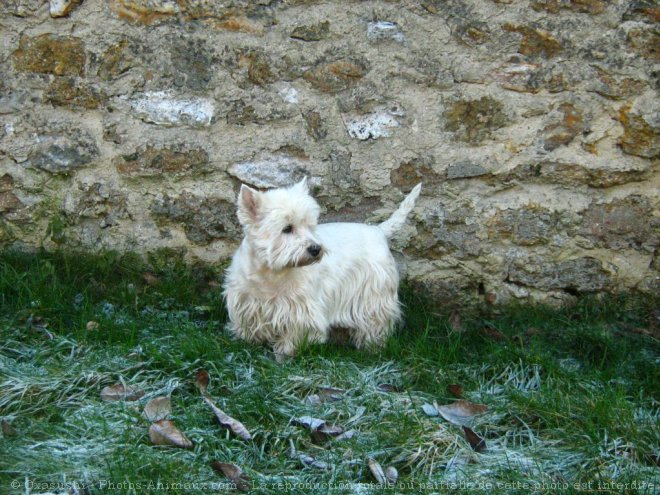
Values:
[(249, 201)]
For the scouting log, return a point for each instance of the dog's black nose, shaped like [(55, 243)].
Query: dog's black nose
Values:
[(314, 250)]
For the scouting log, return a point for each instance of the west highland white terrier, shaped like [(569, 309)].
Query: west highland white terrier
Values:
[(292, 280)]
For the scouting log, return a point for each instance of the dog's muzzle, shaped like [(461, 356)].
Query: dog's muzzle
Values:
[(314, 250)]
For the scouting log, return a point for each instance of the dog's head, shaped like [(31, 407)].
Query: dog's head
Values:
[(279, 225)]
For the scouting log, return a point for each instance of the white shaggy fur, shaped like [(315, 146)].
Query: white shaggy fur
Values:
[(292, 279)]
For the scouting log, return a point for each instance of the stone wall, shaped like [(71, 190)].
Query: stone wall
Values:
[(129, 124)]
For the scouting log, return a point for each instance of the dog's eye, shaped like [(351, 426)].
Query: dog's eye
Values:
[(288, 229)]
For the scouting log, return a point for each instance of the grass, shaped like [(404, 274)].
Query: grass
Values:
[(573, 394)]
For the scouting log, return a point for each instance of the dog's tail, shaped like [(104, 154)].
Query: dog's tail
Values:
[(398, 218)]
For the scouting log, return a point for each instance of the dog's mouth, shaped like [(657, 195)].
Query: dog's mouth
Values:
[(306, 261)]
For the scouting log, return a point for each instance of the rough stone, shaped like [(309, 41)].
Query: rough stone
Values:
[(50, 54), (20, 8), (581, 6), (152, 161), (612, 86), (271, 171), (527, 226), (73, 93), (194, 62), (63, 153), (622, 224), (259, 71), (473, 121), (465, 169), (535, 42), (166, 108), (646, 42), (412, 172), (62, 8), (374, 125), (384, 30), (572, 174), (145, 11), (563, 132), (204, 219), (446, 231), (642, 10), (314, 32), (9, 202), (584, 274), (100, 201), (115, 61), (641, 125), (314, 125), (333, 77)]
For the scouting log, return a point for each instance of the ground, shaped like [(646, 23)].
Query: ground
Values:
[(571, 394)]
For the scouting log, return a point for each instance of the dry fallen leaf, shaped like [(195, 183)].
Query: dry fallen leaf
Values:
[(493, 333), (7, 429), (157, 408), (477, 443), (119, 391), (324, 432), (461, 412), (377, 471), (455, 389), (150, 279), (331, 394), (202, 380), (228, 422), (388, 387), (313, 400), (310, 461), (456, 322), (391, 474), (430, 410), (347, 435), (92, 325), (233, 474), (163, 432), (309, 422)]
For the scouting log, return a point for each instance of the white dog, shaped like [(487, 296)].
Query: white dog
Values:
[(292, 279)]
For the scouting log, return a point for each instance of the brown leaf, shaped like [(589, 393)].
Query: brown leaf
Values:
[(164, 432), (493, 333), (461, 412), (377, 471), (310, 461), (388, 387), (347, 435), (325, 432), (331, 394), (313, 400), (92, 325), (391, 474), (477, 443), (7, 429), (202, 380), (157, 408), (455, 389), (456, 322), (309, 422), (119, 391), (150, 279), (228, 422), (233, 474), (532, 331)]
